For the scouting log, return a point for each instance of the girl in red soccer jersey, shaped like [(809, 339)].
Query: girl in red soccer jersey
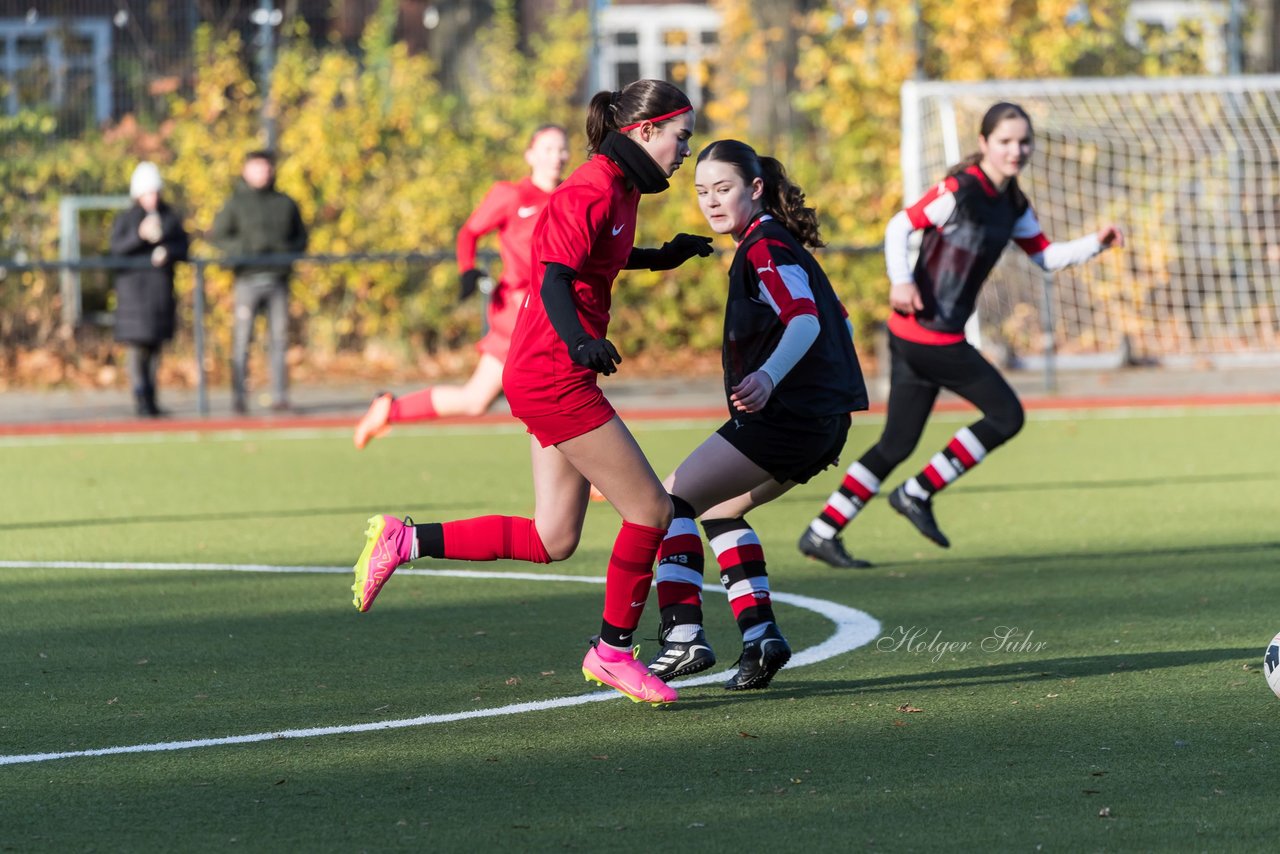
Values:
[(637, 137), (967, 221), (791, 379), (511, 209)]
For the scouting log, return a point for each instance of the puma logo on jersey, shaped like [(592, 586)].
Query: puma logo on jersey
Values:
[(617, 229), (525, 213), (768, 268)]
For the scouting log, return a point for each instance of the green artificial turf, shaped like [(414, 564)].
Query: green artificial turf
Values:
[(1127, 559)]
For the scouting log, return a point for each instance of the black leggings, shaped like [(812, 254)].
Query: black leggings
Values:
[(143, 361), (917, 372)]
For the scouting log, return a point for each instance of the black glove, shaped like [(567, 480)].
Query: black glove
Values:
[(598, 354), (672, 254), (685, 246), (469, 283)]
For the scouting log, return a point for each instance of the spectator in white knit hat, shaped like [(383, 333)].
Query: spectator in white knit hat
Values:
[(145, 305)]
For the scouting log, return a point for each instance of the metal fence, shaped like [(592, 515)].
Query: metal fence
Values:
[(200, 267), (74, 65), (71, 65)]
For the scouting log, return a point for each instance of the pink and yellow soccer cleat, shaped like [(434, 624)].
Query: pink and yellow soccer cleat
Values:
[(390, 544), (375, 422), (627, 676)]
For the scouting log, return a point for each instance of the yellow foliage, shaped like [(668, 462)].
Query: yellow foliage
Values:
[(381, 159), (852, 68)]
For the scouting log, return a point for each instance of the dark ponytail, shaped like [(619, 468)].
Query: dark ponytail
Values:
[(782, 199), (785, 200), (643, 99), (994, 115)]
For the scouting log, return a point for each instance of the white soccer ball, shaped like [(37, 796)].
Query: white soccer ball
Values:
[(1271, 664)]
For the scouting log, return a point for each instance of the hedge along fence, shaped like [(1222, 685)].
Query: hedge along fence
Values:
[(209, 355), (381, 160)]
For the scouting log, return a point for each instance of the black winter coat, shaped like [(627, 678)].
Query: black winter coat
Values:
[(145, 306)]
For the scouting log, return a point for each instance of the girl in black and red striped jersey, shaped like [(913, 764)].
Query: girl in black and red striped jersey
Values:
[(967, 221), (791, 379), (638, 137)]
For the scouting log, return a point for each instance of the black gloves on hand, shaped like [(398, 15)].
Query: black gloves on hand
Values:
[(671, 254), (469, 283), (598, 354), (682, 247)]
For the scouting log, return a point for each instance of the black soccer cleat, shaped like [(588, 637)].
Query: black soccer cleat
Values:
[(760, 660), (678, 658), (831, 552), (918, 513)]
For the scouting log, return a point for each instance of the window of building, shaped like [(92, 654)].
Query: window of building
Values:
[(1147, 20), (674, 42), (59, 63)]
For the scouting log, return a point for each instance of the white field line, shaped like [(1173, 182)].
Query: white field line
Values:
[(853, 628)]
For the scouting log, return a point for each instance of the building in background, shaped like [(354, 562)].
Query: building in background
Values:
[(73, 64)]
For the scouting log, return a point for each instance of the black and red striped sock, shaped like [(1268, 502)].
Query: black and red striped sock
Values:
[(962, 453), (859, 486), (742, 570), (627, 582), (679, 571)]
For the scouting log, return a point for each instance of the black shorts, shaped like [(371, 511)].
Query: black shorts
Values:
[(788, 447)]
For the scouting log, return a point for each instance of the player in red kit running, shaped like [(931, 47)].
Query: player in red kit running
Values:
[(511, 209), (967, 221), (638, 138)]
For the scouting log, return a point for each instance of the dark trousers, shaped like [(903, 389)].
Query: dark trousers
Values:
[(256, 293), (143, 359), (917, 372)]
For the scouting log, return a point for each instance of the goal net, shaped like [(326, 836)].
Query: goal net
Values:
[(1189, 168)]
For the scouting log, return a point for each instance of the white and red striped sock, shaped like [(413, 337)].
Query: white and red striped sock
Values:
[(742, 570), (858, 487), (962, 453), (679, 575)]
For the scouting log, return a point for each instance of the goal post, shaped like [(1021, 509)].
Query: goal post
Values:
[(1188, 167)]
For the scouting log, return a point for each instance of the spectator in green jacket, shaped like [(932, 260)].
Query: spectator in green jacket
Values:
[(260, 220)]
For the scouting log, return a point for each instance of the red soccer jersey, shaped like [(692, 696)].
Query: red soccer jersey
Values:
[(511, 209), (589, 226)]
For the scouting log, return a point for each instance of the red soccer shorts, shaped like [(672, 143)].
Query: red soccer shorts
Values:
[(503, 308)]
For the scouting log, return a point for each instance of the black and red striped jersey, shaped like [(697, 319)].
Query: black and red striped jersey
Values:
[(967, 224), (772, 280)]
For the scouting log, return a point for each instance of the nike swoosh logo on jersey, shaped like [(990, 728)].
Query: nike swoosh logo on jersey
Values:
[(525, 213), (617, 229)]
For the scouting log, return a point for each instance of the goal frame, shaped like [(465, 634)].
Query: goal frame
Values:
[(934, 103)]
